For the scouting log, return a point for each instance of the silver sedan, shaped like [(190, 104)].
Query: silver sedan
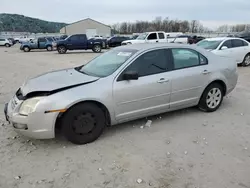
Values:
[(123, 84)]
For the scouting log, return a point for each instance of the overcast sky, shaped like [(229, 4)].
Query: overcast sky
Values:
[(210, 12)]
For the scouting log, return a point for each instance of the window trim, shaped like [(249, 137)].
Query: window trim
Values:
[(198, 53), (168, 67)]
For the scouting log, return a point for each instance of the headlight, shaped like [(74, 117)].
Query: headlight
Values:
[(29, 106)]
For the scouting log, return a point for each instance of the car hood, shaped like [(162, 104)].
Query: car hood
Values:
[(55, 81)]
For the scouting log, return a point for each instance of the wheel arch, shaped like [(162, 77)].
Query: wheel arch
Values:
[(221, 82), (97, 103)]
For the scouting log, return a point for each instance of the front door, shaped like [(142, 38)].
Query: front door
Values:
[(147, 95), (152, 38), (189, 76)]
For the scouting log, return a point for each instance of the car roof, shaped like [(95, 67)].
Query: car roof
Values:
[(222, 38), (143, 46)]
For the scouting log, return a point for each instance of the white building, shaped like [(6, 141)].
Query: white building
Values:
[(87, 26)]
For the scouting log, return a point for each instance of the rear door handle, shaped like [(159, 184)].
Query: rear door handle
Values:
[(205, 72), (162, 80)]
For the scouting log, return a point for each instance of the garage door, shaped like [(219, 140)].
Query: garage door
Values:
[(91, 32)]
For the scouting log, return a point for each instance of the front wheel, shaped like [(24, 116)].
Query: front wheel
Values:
[(83, 123), (61, 49), (97, 48), (7, 45), (246, 61), (211, 98)]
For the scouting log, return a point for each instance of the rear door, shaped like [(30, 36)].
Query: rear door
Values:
[(41, 43), (162, 37), (239, 49), (83, 42), (189, 76)]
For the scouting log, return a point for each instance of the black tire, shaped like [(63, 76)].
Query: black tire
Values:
[(7, 45), (61, 49), (246, 61), (49, 48), (97, 48), (26, 49), (204, 104), (83, 123)]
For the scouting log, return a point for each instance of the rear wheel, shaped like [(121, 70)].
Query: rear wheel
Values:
[(97, 48), (49, 48), (26, 49), (211, 98), (83, 123), (61, 49), (246, 61), (7, 45)]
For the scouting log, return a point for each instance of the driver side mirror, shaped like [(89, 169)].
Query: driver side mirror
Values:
[(224, 48), (130, 75)]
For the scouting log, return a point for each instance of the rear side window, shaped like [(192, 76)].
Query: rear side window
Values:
[(227, 43), (152, 36), (161, 35), (2, 39), (185, 58), (237, 43), (82, 37)]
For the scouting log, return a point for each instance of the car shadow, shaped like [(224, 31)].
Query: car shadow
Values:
[(61, 142)]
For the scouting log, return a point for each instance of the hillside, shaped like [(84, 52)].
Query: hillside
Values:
[(20, 23)]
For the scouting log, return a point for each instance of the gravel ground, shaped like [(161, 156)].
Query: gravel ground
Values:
[(182, 149)]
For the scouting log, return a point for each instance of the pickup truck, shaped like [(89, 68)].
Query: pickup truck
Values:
[(40, 43), (79, 42), (156, 36)]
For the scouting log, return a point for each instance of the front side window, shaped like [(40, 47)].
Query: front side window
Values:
[(2, 39), (107, 63), (227, 43), (74, 38), (185, 58), (152, 36), (149, 63)]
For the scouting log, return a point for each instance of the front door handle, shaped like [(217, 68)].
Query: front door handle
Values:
[(162, 80), (205, 72), (157, 41)]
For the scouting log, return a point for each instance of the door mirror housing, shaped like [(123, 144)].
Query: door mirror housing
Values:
[(224, 48), (130, 75)]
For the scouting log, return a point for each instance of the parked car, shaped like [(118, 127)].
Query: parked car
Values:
[(236, 48), (5, 42), (79, 42), (195, 39), (24, 39), (116, 41), (40, 43), (244, 35), (12, 41), (155, 37), (123, 84)]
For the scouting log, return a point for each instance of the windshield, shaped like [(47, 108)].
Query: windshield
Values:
[(209, 44), (142, 36), (107, 63)]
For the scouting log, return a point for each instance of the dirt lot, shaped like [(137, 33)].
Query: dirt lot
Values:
[(182, 149)]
